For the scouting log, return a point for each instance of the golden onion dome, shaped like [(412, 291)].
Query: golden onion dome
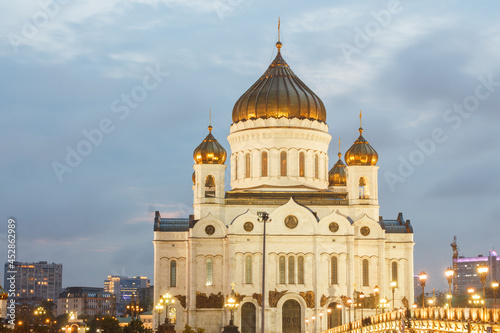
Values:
[(337, 175), (3, 293), (361, 152), (279, 93), (209, 151)]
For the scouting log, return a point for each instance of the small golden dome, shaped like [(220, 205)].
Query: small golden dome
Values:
[(209, 151), (361, 152), (337, 175), (279, 93), (3, 293)]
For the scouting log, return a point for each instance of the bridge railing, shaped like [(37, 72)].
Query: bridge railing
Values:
[(393, 320)]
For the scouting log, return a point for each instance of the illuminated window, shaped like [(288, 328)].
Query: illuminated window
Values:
[(248, 269), (210, 187), (365, 273), (334, 271), (316, 167), (172, 315), (291, 270), (363, 188), (395, 271), (283, 163), (282, 268), (173, 273), (302, 164), (264, 164), (300, 270), (247, 165), (210, 272)]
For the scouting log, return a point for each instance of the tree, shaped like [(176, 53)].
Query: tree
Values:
[(110, 325), (135, 326)]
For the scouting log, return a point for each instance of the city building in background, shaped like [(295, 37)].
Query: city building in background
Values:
[(125, 289), (86, 301), (35, 282), (466, 270), (324, 239)]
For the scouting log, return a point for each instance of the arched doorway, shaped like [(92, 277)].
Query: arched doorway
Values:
[(334, 315), (291, 318), (248, 318)]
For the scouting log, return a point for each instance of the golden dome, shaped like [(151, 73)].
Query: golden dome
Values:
[(279, 93), (361, 153), (209, 151), (337, 175)]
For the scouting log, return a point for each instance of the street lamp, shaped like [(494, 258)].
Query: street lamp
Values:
[(383, 304), (494, 286), (349, 303), (423, 277), (307, 325), (329, 320), (232, 304), (264, 218), (393, 287), (159, 310), (449, 276), (375, 291), (362, 296), (483, 272), (321, 321), (313, 325)]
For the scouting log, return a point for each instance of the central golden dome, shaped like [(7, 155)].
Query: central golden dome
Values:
[(279, 93)]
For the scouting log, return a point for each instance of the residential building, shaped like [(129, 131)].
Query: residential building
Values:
[(86, 301)]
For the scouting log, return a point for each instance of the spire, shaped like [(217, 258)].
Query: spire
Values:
[(360, 127), (339, 154), (210, 121), (278, 44)]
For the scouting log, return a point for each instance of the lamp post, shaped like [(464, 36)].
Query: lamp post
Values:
[(393, 287), (167, 300), (313, 323), (423, 277), (483, 272), (494, 286), (349, 303), (449, 276), (321, 321), (307, 325), (383, 303), (375, 291), (232, 304), (329, 320), (159, 310), (362, 297), (264, 218)]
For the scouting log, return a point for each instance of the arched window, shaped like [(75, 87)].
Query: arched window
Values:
[(363, 188), (247, 165), (282, 269), (394, 271), (283, 163), (316, 167), (366, 273), (335, 271), (291, 270), (236, 167), (248, 269), (210, 187), (300, 270), (173, 273), (264, 164), (172, 315), (210, 272), (302, 164)]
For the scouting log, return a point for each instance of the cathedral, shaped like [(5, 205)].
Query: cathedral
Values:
[(321, 254)]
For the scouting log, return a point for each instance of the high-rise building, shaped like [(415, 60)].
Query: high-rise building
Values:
[(466, 274), (124, 288), (86, 301), (35, 282), (323, 237)]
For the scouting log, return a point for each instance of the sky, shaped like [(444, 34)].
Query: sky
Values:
[(103, 102)]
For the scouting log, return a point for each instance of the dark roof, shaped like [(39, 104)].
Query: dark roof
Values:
[(85, 292), (170, 224), (398, 226)]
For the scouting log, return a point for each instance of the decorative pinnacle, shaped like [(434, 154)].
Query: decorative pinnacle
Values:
[(210, 122), (360, 127), (278, 44), (339, 154)]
